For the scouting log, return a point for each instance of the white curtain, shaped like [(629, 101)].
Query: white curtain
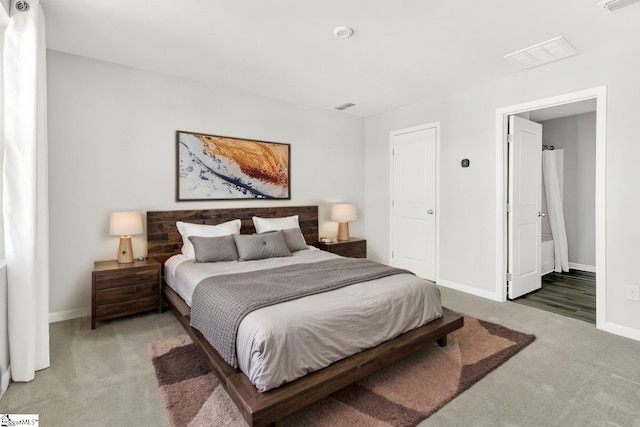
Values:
[(25, 192), (5, 373), (555, 211)]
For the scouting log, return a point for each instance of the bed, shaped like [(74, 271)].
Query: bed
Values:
[(265, 408)]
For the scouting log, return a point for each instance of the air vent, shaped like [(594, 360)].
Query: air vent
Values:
[(542, 53), (344, 106), (609, 6)]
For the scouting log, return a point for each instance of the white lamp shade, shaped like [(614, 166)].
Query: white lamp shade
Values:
[(125, 223), (343, 212)]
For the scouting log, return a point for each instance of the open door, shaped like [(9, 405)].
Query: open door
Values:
[(524, 204)]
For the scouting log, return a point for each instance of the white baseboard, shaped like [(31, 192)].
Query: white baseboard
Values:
[(623, 331), (470, 290), (547, 268), (61, 316), (582, 267)]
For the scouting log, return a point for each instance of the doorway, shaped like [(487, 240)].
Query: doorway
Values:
[(414, 200), (571, 294), (567, 232), (563, 101)]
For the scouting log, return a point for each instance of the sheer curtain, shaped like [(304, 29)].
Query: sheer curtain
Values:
[(5, 374), (555, 210), (25, 193)]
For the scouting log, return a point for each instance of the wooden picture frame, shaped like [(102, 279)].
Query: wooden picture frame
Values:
[(213, 167)]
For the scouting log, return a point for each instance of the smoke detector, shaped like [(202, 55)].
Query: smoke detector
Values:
[(343, 32), (610, 6)]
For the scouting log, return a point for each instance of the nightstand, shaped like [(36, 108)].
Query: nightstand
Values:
[(122, 289), (353, 248)]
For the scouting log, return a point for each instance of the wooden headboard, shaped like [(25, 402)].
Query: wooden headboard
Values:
[(164, 241)]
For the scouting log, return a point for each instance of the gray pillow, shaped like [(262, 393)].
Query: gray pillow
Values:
[(261, 246), (213, 249), (294, 239)]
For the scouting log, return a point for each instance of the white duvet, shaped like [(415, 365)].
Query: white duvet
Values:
[(283, 342)]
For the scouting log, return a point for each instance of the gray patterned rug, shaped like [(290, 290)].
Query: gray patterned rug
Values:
[(401, 395)]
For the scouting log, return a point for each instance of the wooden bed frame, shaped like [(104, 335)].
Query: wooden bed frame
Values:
[(264, 409)]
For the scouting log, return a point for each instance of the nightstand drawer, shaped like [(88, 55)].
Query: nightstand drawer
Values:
[(352, 248), (126, 307), (126, 293), (114, 279)]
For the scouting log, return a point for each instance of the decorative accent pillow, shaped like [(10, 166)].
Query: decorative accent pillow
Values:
[(294, 239), (213, 249), (187, 229), (264, 225), (261, 246)]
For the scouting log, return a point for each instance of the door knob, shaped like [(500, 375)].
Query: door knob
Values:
[(430, 211), (542, 214)]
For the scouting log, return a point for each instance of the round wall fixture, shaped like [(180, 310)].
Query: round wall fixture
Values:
[(21, 5), (343, 32)]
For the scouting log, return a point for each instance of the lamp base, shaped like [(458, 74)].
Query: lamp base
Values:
[(343, 230), (125, 250)]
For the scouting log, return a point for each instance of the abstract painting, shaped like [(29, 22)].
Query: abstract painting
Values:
[(214, 167)]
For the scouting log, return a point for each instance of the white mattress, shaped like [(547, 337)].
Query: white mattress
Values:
[(283, 342)]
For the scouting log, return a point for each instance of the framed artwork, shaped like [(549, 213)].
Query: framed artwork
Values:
[(214, 167)]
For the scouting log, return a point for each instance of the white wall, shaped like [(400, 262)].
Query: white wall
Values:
[(112, 147), (577, 136), (468, 196)]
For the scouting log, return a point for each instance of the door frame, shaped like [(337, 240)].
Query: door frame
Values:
[(502, 114), (392, 134)]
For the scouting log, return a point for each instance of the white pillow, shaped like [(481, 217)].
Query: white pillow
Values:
[(264, 225), (187, 229)]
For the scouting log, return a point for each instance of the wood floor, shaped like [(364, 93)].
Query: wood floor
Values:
[(571, 294)]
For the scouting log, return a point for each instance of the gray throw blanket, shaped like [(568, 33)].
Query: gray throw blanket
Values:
[(219, 303)]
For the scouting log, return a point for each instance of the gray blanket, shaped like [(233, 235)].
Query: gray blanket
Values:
[(220, 303)]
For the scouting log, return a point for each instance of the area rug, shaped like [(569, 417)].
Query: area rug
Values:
[(401, 395)]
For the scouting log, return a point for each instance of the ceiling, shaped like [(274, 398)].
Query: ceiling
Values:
[(563, 110), (401, 52)]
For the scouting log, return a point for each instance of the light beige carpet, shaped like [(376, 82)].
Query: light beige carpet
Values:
[(401, 395)]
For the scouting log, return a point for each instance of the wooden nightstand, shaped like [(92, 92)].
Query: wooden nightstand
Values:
[(122, 289), (353, 248)]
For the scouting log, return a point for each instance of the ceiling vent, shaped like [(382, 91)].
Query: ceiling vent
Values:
[(344, 106), (610, 6), (543, 53)]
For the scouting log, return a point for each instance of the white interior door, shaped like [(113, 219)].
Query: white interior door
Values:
[(413, 212), (524, 204)]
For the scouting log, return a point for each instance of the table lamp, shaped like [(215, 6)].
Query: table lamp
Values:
[(125, 224), (343, 213)]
